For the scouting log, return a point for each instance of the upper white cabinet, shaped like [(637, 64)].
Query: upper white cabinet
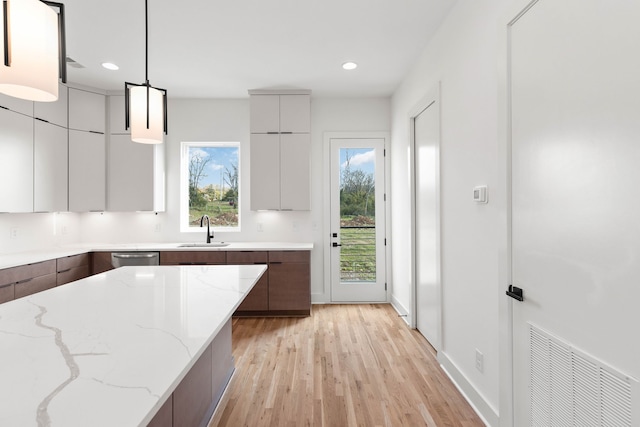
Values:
[(136, 175), (54, 112), (87, 174), (16, 162), (16, 104), (280, 113), (87, 111), (50, 188), (280, 150), (116, 115)]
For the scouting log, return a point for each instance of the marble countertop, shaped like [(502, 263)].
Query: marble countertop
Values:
[(109, 349), (8, 260)]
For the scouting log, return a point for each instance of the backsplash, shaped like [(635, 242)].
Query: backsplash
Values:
[(32, 231)]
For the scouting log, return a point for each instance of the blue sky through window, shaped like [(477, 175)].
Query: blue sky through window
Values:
[(361, 158), (220, 158)]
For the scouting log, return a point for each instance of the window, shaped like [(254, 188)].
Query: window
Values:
[(210, 173)]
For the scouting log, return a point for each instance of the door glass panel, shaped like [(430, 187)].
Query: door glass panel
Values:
[(357, 215)]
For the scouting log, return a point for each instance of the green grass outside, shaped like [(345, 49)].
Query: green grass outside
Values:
[(221, 214), (358, 254)]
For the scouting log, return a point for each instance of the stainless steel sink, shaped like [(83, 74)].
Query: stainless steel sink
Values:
[(204, 245)]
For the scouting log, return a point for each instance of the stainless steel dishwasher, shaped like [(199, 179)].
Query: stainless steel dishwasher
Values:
[(121, 259)]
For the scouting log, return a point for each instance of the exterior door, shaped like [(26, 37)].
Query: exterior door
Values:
[(575, 108), (357, 220), (426, 131)]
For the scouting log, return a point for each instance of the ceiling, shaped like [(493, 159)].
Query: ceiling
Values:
[(221, 49)]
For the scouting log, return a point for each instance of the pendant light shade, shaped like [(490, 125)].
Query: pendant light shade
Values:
[(33, 50), (140, 132), (145, 105)]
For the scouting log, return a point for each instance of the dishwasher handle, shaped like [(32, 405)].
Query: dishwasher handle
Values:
[(133, 256)]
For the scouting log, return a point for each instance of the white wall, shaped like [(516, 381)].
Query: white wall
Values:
[(463, 57), (228, 120)]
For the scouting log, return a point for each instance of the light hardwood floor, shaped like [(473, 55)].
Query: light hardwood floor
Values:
[(346, 365)]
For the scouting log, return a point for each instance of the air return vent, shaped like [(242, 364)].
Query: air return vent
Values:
[(570, 388)]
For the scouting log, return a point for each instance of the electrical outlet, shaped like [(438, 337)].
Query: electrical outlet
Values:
[(479, 361), (158, 228), (296, 226), (14, 232), (65, 229), (260, 227)]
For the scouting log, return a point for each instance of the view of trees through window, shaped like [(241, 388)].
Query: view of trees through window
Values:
[(213, 184), (357, 215)]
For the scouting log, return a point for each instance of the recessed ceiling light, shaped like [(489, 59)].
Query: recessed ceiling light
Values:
[(110, 66), (349, 65)]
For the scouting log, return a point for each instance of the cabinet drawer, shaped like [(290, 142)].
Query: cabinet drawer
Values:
[(72, 274), (23, 272), (246, 257), (289, 256), (193, 258), (72, 262), (6, 293), (34, 285)]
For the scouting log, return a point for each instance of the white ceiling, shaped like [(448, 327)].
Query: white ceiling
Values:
[(221, 49)]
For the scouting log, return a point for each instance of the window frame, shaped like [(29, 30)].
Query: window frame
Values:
[(184, 184)]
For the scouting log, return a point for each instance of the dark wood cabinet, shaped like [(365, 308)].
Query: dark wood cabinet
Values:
[(258, 298), (100, 262), (193, 257), (289, 282), (72, 268), (24, 280)]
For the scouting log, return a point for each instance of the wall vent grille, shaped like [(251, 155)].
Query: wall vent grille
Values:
[(570, 388)]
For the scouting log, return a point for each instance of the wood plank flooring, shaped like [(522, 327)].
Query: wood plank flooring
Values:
[(346, 365)]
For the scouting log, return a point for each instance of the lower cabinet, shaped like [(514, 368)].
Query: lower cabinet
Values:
[(193, 257), (72, 268), (258, 298), (24, 280), (289, 282), (100, 262)]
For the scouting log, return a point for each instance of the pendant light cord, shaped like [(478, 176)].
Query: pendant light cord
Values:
[(146, 42)]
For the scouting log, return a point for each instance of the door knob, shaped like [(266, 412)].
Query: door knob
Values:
[(335, 245)]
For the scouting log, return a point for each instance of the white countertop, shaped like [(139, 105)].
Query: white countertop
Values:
[(109, 349), (8, 260)]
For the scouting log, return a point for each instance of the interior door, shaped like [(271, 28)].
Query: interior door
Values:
[(358, 220), (426, 126), (575, 108)]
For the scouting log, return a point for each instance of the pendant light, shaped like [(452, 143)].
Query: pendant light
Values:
[(34, 49), (145, 105)]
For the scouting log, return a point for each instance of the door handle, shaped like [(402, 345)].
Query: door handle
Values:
[(335, 245), (515, 293)]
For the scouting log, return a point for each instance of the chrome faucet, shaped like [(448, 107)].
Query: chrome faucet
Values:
[(209, 232)]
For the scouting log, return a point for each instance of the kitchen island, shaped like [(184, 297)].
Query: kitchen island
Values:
[(132, 346)]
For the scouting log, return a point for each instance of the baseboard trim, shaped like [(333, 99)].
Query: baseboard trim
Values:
[(479, 404), (401, 310)]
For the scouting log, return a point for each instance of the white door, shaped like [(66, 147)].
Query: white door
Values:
[(575, 126), (357, 220), (427, 222)]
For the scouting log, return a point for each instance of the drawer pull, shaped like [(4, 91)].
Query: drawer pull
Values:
[(5, 286), (64, 271), (24, 281)]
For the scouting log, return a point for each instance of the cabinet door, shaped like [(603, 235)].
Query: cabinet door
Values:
[(51, 168), (264, 113), (265, 172), (116, 115), (54, 112), (289, 287), (295, 113), (18, 105), (131, 173), (295, 150), (16, 162), (258, 298), (86, 110), (87, 191)]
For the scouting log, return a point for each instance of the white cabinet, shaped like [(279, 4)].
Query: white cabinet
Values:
[(87, 177), (280, 113), (53, 112), (116, 115), (265, 172), (50, 189), (87, 111), (16, 104), (280, 150), (295, 152), (16, 162), (136, 175)]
